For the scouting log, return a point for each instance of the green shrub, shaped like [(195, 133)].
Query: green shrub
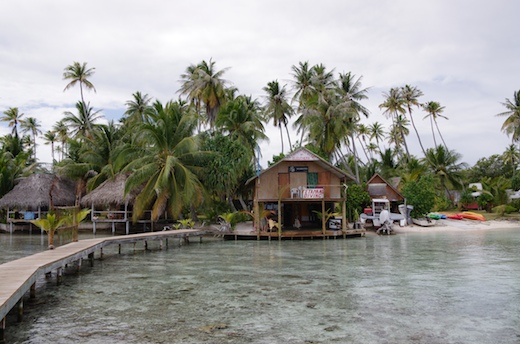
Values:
[(421, 195), (357, 199), (504, 209)]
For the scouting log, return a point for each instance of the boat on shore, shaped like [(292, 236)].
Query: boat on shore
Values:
[(424, 222)]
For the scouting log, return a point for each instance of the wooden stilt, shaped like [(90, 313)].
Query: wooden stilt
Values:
[(91, 259), (160, 244), (166, 242), (145, 245), (19, 313), (119, 251), (32, 292), (79, 265), (2, 331), (101, 253), (59, 277)]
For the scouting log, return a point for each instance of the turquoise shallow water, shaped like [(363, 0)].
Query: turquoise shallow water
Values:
[(405, 288)]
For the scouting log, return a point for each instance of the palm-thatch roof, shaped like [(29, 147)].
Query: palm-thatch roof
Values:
[(34, 192), (111, 191)]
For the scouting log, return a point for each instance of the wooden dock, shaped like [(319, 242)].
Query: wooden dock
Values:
[(294, 235), (19, 276)]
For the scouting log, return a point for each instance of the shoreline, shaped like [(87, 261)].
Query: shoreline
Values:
[(464, 225)]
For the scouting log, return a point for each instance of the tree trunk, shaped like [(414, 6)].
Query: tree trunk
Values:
[(416, 132), (288, 137), (50, 239)]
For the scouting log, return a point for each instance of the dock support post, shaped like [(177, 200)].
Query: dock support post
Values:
[(145, 245), (91, 259), (32, 292), (59, 277), (19, 307), (101, 253), (79, 265), (166, 242), (160, 244), (119, 251), (2, 331)]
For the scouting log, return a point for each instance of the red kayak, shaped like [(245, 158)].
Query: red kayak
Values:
[(455, 216)]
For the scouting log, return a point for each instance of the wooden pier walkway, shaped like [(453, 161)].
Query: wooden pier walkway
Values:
[(19, 276)]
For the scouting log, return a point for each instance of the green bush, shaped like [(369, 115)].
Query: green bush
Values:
[(515, 204), (504, 209), (421, 195), (442, 203), (357, 199)]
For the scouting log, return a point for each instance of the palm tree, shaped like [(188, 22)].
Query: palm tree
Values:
[(377, 132), (446, 167), (13, 117), (78, 73), (62, 132), (394, 107), (372, 148), (362, 133), (398, 132), (277, 108), (166, 162), (314, 87), (33, 126), (303, 76), (241, 118), (136, 109), (351, 93), (511, 125), (302, 85), (50, 137), (434, 110), (203, 84), (410, 96), (512, 155), (83, 124)]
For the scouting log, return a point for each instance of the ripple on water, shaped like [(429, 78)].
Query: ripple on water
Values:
[(418, 288)]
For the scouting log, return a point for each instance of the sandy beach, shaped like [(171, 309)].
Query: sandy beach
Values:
[(447, 225), (444, 225)]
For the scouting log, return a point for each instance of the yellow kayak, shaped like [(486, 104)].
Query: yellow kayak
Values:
[(473, 216)]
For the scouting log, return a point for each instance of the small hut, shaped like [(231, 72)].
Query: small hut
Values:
[(109, 203), (33, 195), (379, 188)]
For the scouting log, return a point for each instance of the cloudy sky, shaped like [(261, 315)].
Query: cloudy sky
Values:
[(462, 53)]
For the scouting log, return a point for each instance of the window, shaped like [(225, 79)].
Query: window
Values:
[(312, 179)]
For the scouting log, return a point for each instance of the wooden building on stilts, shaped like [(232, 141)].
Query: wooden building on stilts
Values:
[(296, 196)]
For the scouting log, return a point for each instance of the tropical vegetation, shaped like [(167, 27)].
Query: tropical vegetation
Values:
[(193, 155)]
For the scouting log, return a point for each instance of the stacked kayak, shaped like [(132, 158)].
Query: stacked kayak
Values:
[(436, 216), (473, 216), (464, 215), (455, 216)]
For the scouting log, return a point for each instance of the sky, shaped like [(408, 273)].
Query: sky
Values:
[(463, 54)]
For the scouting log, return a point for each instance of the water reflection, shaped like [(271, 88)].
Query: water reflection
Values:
[(415, 288)]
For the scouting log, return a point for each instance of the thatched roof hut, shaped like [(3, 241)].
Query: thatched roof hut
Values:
[(34, 192), (111, 191)]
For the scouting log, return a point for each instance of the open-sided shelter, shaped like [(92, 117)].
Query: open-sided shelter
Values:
[(33, 195), (109, 204)]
